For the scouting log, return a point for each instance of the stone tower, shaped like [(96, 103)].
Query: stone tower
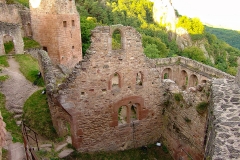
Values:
[(56, 26)]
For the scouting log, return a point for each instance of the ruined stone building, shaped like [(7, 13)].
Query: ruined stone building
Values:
[(114, 99), (15, 23), (119, 99), (56, 26)]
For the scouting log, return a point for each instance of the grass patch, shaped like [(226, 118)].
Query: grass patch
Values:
[(152, 152), (37, 115), (30, 43), (3, 61), (23, 2), (8, 46), (202, 107), (3, 78), (11, 125), (29, 68)]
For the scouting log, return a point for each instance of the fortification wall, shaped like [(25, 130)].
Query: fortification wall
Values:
[(193, 65), (13, 30), (223, 121)]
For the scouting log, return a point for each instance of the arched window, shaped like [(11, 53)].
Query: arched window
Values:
[(116, 40), (115, 80), (139, 79), (133, 112), (183, 79), (193, 80), (167, 73)]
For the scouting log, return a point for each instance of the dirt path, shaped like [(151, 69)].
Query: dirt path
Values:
[(16, 88)]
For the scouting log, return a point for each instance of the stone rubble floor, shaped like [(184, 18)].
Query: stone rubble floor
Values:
[(226, 98)]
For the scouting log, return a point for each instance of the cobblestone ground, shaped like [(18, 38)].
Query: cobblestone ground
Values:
[(226, 99)]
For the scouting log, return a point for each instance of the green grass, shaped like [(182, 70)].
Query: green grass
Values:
[(29, 68), (37, 115), (23, 2), (30, 43), (3, 78), (3, 61), (8, 46), (152, 152), (11, 125), (202, 107)]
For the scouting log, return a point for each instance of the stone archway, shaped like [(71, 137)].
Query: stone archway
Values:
[(14, 31), (183, 79), (193, 81), (167, 73)]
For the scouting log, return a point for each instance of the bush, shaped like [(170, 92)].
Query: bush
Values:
[(202, 107)]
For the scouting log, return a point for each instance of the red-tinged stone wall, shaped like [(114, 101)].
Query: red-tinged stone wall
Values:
[(93, 103), (57, 28)]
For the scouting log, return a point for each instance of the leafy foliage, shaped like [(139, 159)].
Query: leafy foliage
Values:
[(194, 53), (192, 25), (37, 115), (230, 36)]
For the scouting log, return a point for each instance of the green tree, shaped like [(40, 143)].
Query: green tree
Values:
[(194, 53), (151, 51)]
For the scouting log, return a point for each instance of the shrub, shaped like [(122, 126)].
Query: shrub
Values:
[(202, 107)]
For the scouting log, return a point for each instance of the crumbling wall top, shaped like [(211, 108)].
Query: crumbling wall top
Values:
[(53, 6)]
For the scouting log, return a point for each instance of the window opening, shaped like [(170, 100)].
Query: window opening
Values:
[(72, 47), (133, 114), (122, 115), (116, 40), (45, 48), (73, 23), (64, 23), (165, 76), (139, 79), (8, 44), (115, 80)]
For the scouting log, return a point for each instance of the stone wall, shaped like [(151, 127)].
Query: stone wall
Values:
[(16, 14), (223, 121), (56, 26), (13, 30), (90, 99), (193, 65), (115, 99)]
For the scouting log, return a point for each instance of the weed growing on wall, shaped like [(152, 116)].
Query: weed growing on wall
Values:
[(202, 107)]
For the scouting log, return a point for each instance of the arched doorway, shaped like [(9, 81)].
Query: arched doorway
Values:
[(193, 80), (183, 79), (167, 73), (8, 44)]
